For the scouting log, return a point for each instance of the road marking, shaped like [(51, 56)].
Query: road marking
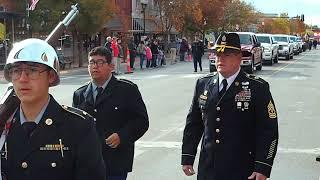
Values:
[(281, 68), (299, 78), (177, 145)]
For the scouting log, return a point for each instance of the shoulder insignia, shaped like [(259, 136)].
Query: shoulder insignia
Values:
[(76, 111), (272, 111), (126, 81), (255, 78), (209, 75)]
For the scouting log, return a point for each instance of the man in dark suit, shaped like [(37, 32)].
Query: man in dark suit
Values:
[(197, 53), (234, 114), (45, 140), (119, 110)]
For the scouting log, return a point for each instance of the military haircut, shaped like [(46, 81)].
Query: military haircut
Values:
[(101, 51)]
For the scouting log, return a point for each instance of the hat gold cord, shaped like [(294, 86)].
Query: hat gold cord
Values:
[(222, 47)]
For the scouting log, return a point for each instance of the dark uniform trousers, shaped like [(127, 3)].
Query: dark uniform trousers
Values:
[(40, 157), (239, 131), (120, 109)]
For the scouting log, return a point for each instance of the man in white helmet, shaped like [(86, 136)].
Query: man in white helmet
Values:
[(46, 141)]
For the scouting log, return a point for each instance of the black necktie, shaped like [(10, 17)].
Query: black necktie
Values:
[(224, 89), (99, 90), (29, 127)]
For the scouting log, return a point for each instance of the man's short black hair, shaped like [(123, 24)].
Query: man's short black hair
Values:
[(101, 51)]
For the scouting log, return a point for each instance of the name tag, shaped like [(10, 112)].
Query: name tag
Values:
[(54, 147)]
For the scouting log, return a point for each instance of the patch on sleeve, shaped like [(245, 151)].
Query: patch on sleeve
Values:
[(272, 111)]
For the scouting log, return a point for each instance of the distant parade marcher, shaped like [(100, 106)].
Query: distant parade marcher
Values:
[(119, 110), (46, 141), (197, 50), (234, 114), (173, 51)]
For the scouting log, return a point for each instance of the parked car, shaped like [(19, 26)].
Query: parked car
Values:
[(300, 44), (270, 48), (295, 43), (251, 51), (285, 46)]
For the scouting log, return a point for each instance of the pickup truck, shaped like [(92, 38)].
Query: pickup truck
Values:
[(270, 48), (251, 51)]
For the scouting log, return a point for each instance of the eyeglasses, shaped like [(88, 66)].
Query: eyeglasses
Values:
[(98, 63), (32, 73)]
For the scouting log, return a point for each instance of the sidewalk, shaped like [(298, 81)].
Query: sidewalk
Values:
[(123, 68)]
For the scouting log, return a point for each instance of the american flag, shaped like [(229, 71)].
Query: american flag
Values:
[(33, 4)]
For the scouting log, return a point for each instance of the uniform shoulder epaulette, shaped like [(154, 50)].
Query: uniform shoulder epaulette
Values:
[(84, 85), (76, 111), (255, 78), (126, 81), (209, 75)]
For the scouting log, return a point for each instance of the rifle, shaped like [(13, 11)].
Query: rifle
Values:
[(10, 102)]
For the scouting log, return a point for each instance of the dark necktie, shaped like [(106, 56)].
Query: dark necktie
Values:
[(224, 88), (29, 127), (99, 90)]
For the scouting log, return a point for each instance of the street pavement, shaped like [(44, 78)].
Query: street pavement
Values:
[(167, 92)]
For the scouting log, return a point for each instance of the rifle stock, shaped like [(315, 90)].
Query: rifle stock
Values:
[(10, 102)]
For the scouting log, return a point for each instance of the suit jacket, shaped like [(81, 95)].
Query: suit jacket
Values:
[(120, 109), (39, 157), (239, 131)]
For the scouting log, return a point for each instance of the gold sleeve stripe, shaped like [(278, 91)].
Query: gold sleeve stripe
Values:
[(272, 149), (263, 163), (188, 155)]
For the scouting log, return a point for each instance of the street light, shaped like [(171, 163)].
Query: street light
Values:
[(144, 4)]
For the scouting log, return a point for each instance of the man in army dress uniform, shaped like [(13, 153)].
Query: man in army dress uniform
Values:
[(119, 110), (44, 140), (234, 114)]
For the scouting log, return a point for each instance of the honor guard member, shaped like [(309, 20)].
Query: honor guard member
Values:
[(46, 141), (120, 113), (234, 114)]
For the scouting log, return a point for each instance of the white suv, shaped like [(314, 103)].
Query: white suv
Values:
[(285, 45)]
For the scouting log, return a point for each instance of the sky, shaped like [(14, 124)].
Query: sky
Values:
[(310, 8)]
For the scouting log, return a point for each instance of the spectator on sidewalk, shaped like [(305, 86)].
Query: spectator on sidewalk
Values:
[(132, 51), (115, 55), (173, 51), (121, 51), (108, 43), (148, 56), (183, 49), (141, 51), (155, 52)]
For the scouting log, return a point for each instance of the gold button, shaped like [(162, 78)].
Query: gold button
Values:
[(218, 119), (49, 122), (94, 119), (95, 110), (217, 130), (24, 165), (116, 108), (53, 165), (84, 113), (218, 108), (217, 141)]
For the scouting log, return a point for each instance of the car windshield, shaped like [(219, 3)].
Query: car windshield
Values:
[(264, 39), (245, 39), (293, 39), (280, 39)]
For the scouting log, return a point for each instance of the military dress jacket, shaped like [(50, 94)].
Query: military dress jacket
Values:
[(239, 131), (119, 109), (64, 146)]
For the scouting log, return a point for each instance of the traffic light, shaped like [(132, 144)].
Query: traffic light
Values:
[(302, 17)]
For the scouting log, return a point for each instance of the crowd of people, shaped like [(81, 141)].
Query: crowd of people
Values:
[(152, 53)]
